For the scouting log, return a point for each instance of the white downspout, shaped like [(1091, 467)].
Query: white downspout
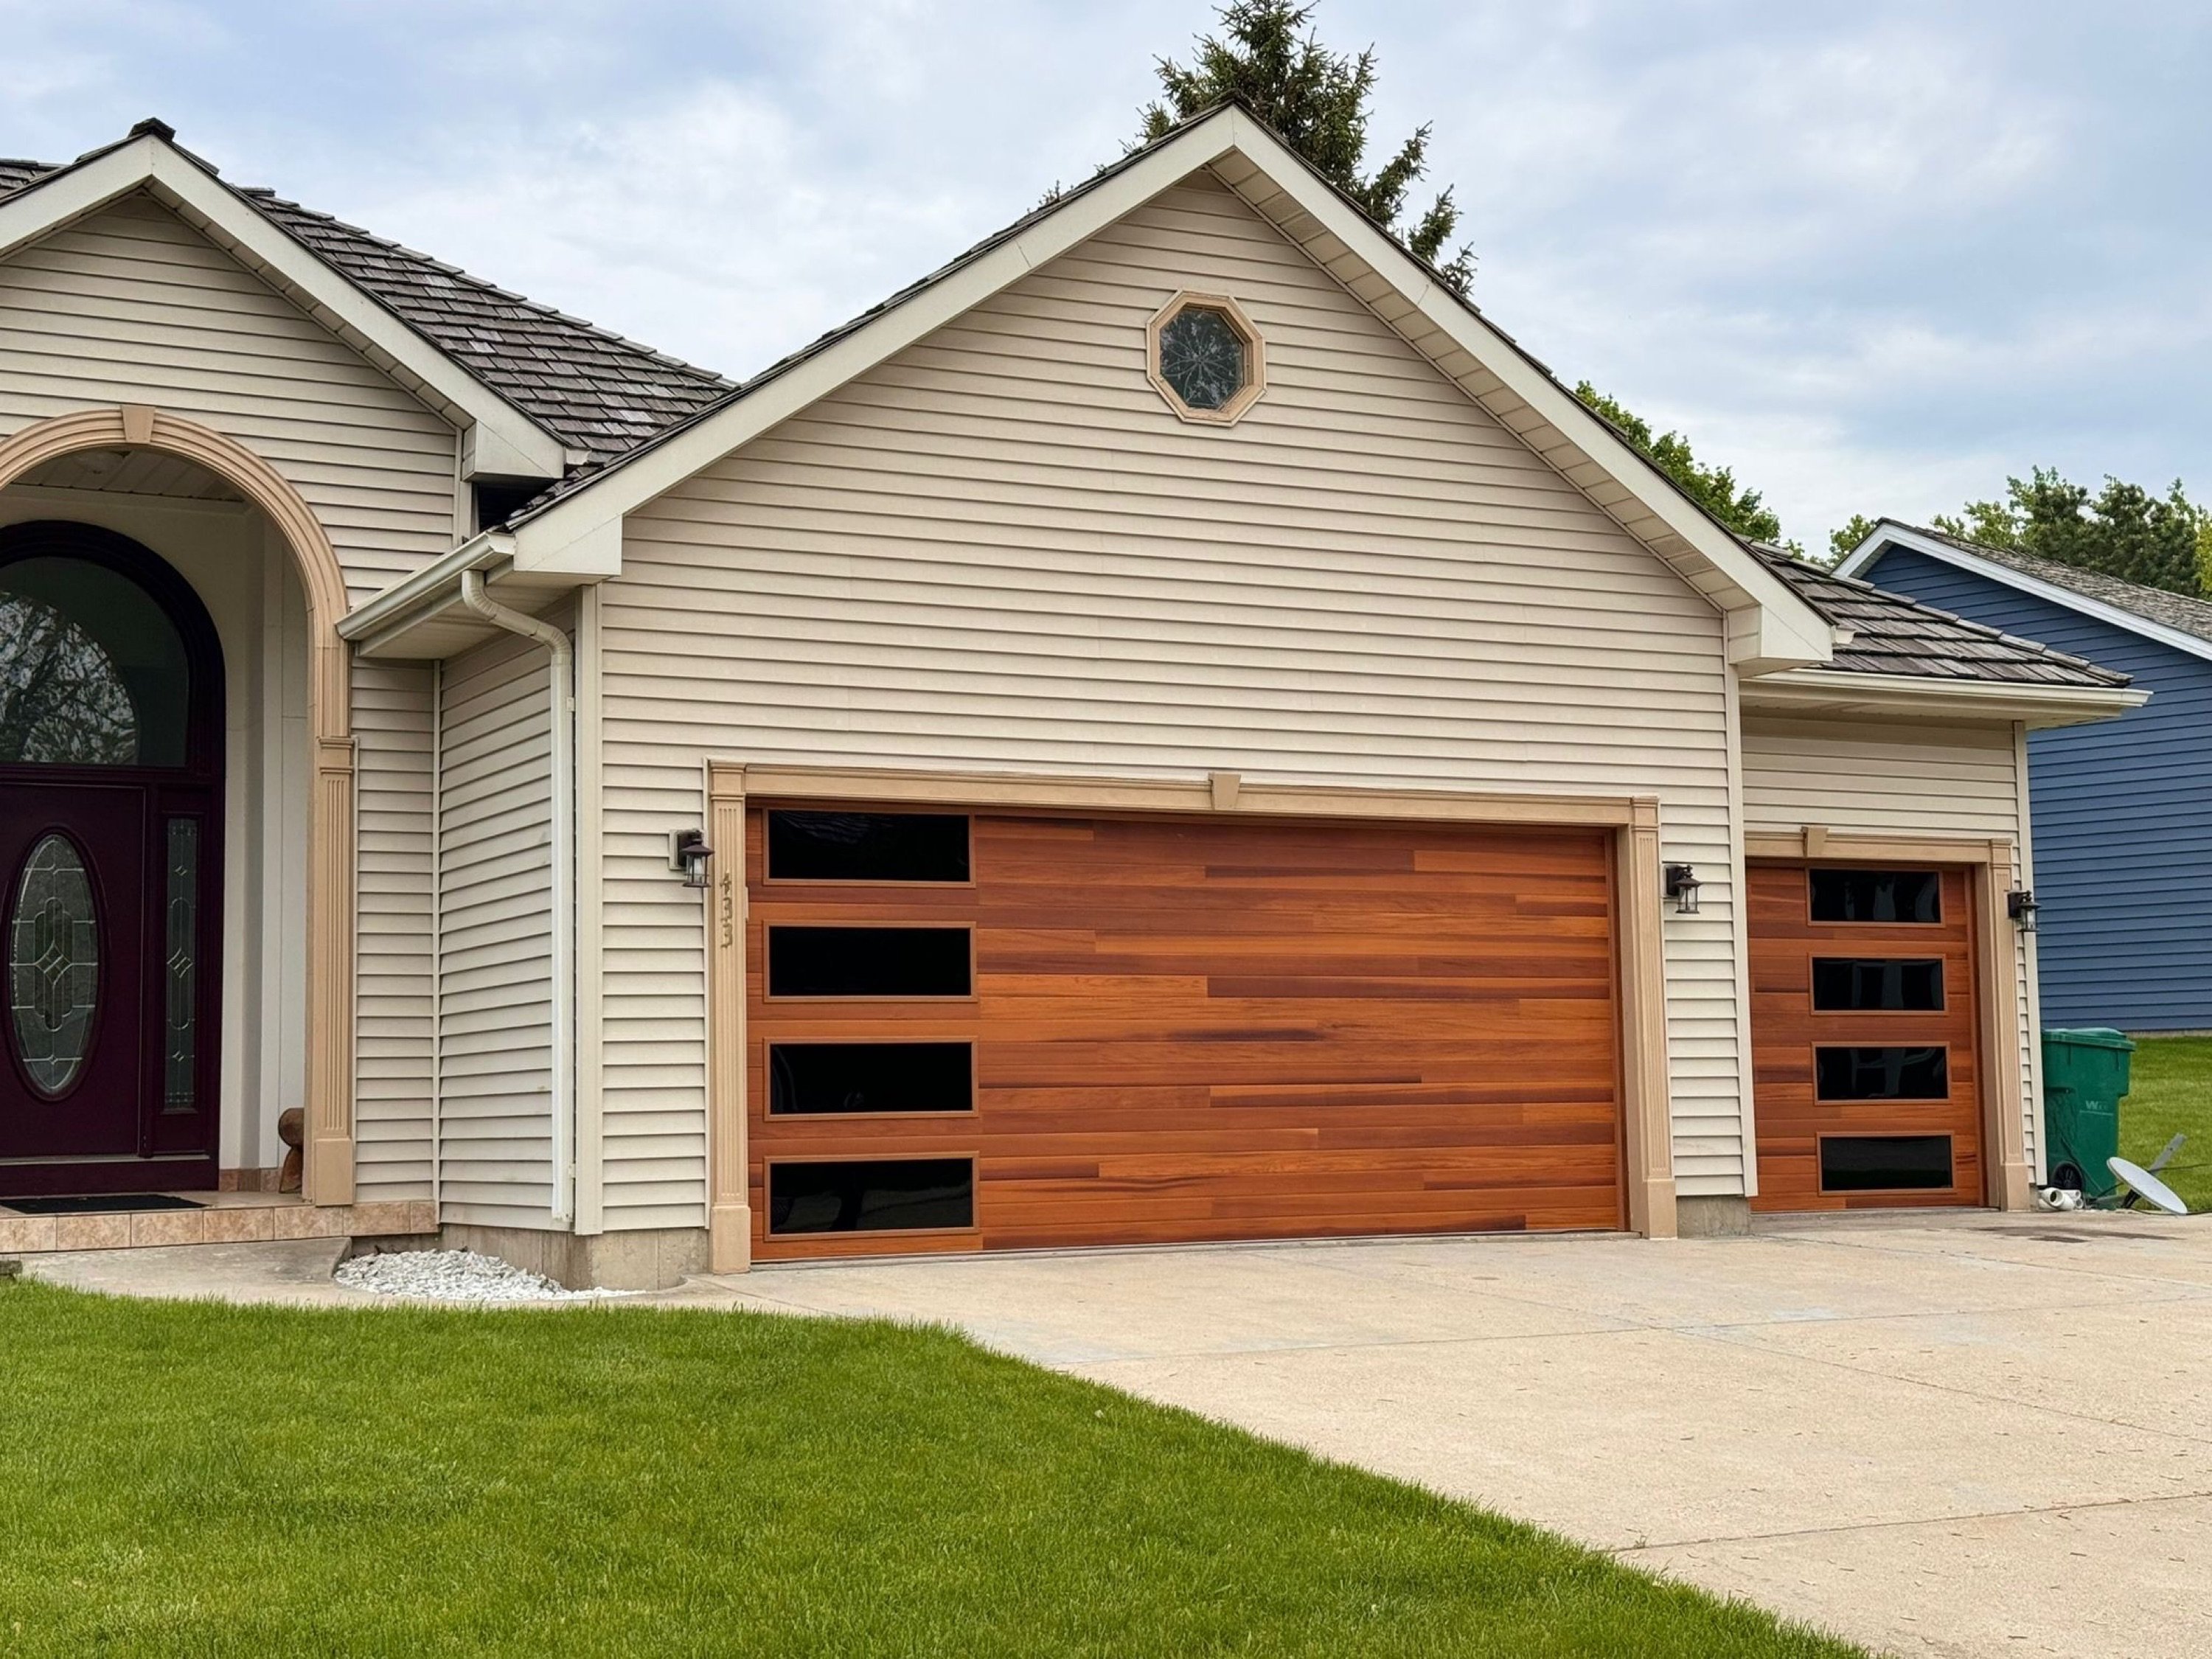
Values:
[(563, 678)]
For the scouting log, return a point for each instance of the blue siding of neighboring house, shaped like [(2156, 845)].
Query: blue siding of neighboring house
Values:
[(2122, 813)]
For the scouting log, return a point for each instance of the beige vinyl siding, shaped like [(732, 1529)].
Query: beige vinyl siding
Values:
[(1000, 550), (133, 306), (391, 713), (1904, 778), (494, 938)]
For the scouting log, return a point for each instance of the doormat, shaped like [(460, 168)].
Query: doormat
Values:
[(104, 1204)]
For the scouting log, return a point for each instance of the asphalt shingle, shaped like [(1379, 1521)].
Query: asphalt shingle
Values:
[(1893, 635), (596, 391)]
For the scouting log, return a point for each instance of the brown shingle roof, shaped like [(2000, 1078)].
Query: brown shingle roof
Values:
[(1893, 635), (596, 391)]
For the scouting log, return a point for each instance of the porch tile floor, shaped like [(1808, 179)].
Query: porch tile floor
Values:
[(228, 1218)]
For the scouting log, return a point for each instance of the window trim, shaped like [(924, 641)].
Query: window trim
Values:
[(768, 879), (1942, 900), (949, 1155), (1255, 358), (935, 1114), (1813, 1007), (1820, 1160), (1950, 1077), (909, 999)]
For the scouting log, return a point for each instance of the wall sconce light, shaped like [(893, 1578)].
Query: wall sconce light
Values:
[(688, 852), (1682, 885), (2020, 905)]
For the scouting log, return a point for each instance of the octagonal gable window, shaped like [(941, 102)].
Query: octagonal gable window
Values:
[(1206, 358)]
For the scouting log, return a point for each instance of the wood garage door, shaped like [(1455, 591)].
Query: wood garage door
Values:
[(1865, 1037), (1008, 1031)]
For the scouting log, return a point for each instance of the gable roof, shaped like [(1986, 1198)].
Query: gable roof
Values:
[(2174, 619), (1891, 634), (576, 526), (594, 393)]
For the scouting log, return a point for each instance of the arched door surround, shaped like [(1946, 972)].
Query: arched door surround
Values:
[(329, 1038)]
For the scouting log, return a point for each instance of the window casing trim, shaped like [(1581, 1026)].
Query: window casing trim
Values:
[(1255, 358)]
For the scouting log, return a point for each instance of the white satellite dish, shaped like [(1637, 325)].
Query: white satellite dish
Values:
[(2146, 1185)]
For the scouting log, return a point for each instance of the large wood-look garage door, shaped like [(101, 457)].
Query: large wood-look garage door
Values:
[(1865, 1034), (999, 1030)]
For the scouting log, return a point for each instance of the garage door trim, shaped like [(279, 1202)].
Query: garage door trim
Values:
[(1991, 871), (1634, 820)]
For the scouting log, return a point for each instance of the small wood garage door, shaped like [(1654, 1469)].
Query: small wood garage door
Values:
[(1865, 1036), (1003, 1031)]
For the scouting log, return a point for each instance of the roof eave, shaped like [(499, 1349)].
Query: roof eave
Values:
[(1769, 627), (499, 439), (1835, 693), (1889, 533)]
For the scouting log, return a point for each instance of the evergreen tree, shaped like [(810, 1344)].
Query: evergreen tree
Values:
[(1316, 100), (1713, 488), (2123, 529)]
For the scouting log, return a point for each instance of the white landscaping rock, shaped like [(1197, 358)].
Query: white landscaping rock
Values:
[(452, 1276)]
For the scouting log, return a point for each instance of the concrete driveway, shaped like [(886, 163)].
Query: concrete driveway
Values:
[(1971, 1435)]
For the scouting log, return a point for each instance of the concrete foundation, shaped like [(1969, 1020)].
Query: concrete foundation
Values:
[(648, 1260), (1712, 1217)]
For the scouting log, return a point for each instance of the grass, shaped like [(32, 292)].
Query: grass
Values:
[(2170, 1092), (199, 1479)]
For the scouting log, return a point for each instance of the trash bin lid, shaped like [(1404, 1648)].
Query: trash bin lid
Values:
[(2090, 1036)]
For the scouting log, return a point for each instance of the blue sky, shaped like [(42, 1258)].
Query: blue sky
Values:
[(1875, 257)]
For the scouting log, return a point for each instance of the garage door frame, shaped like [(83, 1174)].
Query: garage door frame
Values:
[(1633, 820), (1991, 869)]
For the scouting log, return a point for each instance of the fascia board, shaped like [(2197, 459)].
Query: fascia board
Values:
[(377, 613), (1789, 630), (1841, 692), (1886, 535), (661, 467), (503, 439)]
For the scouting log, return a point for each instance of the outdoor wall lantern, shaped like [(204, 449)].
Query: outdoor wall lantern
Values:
[(688, 851), (1682, 885), (2020, 905)]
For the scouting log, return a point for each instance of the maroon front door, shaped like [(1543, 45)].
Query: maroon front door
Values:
[(109, 858)]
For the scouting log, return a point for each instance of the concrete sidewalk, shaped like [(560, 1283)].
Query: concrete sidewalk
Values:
[(1971, 1436), (1965, 1435)]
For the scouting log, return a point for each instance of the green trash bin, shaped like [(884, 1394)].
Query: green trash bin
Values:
[(2085, 1073)]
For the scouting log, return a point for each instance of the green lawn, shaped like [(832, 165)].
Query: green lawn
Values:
[(2170, 1092), (196, 1478)]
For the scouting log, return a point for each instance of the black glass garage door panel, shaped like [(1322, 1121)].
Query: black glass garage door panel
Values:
[(811, 1078), (1905, 895), (868, 961), (867, 847), (1887, 1073), (1884, 1164), (872, 1195), (1903, 985)]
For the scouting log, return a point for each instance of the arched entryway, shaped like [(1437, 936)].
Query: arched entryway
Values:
[(111, 826), (327, 900)]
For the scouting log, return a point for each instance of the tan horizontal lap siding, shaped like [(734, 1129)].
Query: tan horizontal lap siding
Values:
[(391, 711), (495, 984), (1000, 550), (133, 306), (1899, 777)]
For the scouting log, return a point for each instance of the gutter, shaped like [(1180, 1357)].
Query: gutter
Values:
[(1814, 689), (563, 676), (396, 603)]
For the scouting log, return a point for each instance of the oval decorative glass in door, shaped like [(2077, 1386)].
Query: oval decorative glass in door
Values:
[(53, 965)]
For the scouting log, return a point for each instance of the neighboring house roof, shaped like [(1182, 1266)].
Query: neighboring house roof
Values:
[(599, 393), (1890, 633), (2174, 619)]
